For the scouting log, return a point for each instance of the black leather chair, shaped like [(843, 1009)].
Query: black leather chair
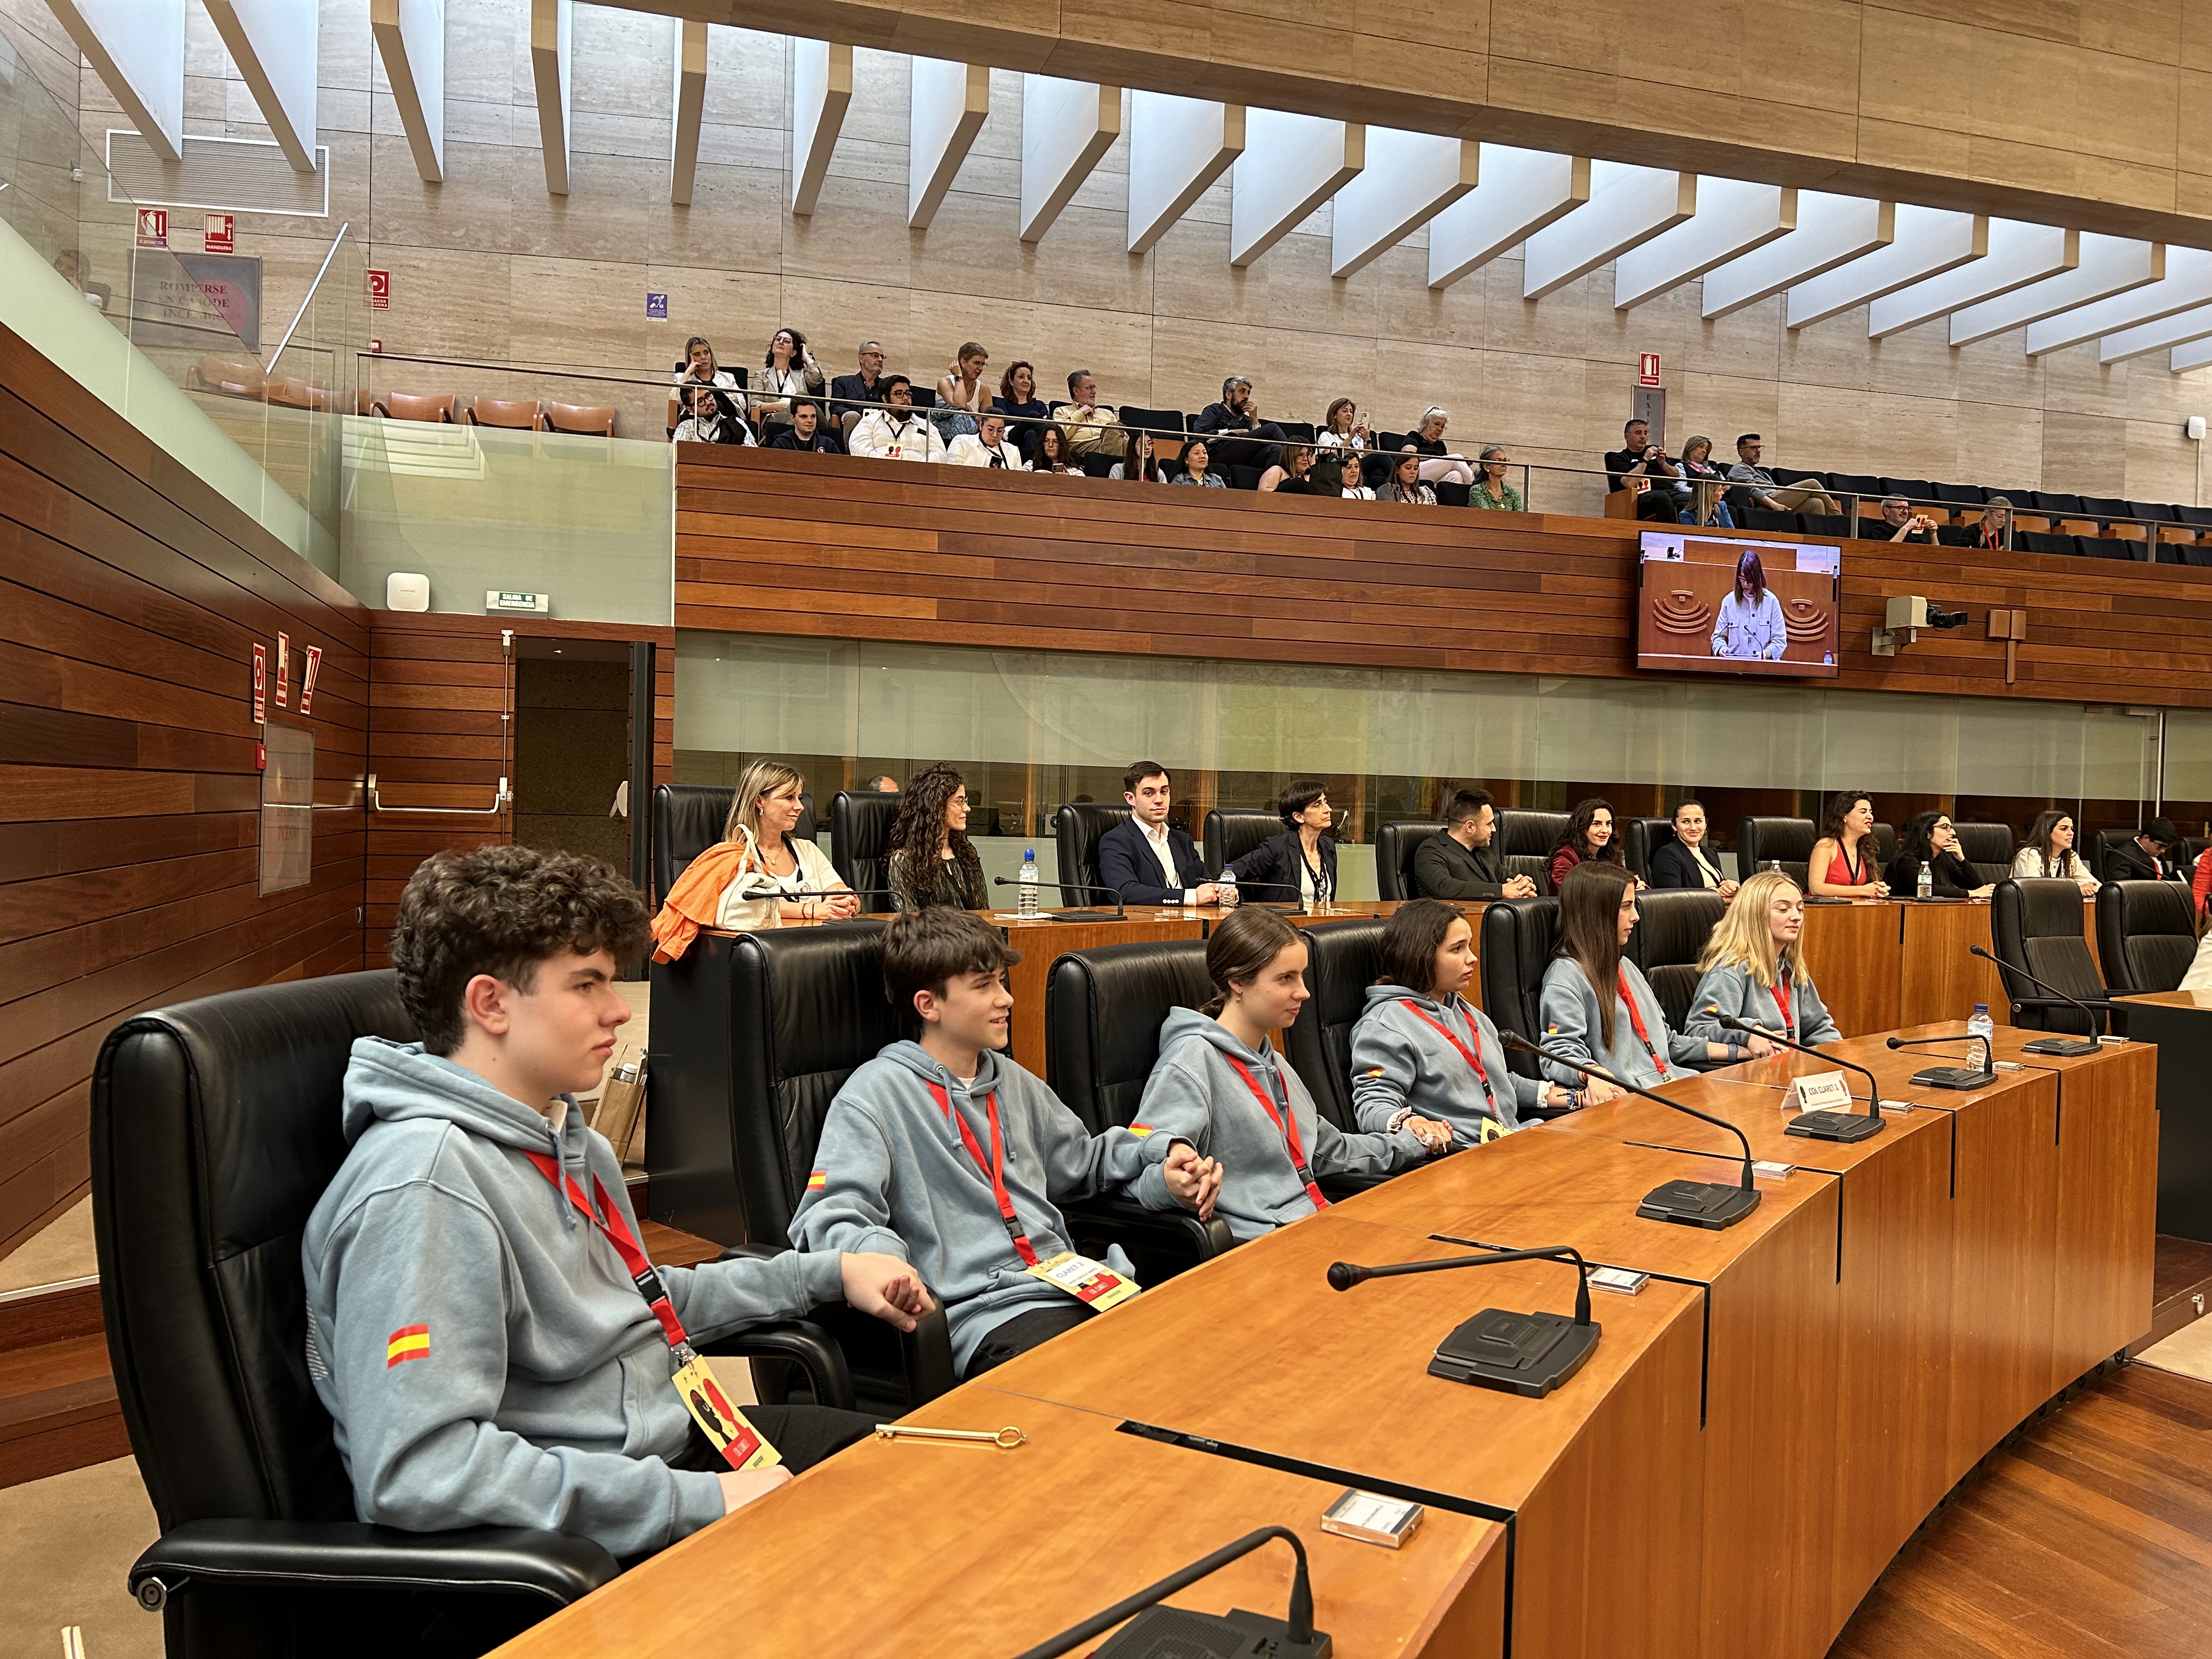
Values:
[(1075, 829), (1641, 838), (1672, 926), (1789, 842), (1342, 959), (860, 844), (2145, 934), (1523, 839), (1394, 847), (1988, 847), (1517, 937), (215, 1128), (1885, 841), (1231, 833), (2102, 844), (2037, 926), (688, 819)]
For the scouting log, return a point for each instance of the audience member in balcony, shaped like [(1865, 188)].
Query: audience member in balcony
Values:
[(1236, 430), (1463, 862), (1295, 476), (1843, 861), (711, 417), (1054, 453), (1140, 465), (1093, 427), (1995, 528), (1749, 627), (806, 430), (1686, 860), (960, 394), (896, 432), (1355, 487), (1025, 411), (1404, 484), (2049, 853), (1904, 525), (988, 447), (1490, 490), (698, 366), (76, 270), (1438, 465), (1642, 466), (1588, 836), (1708, 486), (1766, 495), (787, 370), (848, 393), (932, 860), (1343, 438), (1198, 467)]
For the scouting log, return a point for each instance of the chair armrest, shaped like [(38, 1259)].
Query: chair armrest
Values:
[(927, 1352), (1180, 1231), (808, 1345), (1339, 1187), (555, 1567)]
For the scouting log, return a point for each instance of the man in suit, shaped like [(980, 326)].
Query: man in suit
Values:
[(1146, 860), (851, 394), (1461, 863), (2148, 857)]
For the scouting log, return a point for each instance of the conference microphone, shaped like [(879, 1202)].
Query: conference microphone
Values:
[(1951, 1077), (1818, 1126), (765, 893), (1691, 1203), (1121, 911), (1234, 1635), (2071, 1047), (1528, 1354)]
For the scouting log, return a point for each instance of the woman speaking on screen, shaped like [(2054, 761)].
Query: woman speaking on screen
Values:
[(1750, 623)]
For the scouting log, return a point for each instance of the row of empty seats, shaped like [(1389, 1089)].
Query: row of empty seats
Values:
[(227, 377)]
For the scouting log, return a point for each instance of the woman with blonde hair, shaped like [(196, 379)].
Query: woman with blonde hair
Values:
[(1752, 970), (776, 877)]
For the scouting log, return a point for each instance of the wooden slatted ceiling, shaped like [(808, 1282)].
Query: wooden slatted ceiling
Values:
[(775, 542), (131, 597)]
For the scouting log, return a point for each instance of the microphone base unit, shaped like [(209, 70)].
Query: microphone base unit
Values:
[(1834, 1126), (1079, 915), (1704, 1204), (1233, 1635), (1959, 1078), (1528, 1354), (2063, 1048)]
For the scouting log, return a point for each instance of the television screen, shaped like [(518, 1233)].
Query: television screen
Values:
[(1717, 604)]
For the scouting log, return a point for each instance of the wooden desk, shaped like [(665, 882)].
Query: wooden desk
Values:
[(1855, 952), (1939, 981), (913, 1549), (1043, 941), (2178, 1024)]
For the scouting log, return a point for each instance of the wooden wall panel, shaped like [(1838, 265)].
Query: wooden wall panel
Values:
[(131, 596), (775, 543)]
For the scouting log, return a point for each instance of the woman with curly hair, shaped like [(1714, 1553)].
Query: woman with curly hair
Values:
[(1588, 835), (932, 861)]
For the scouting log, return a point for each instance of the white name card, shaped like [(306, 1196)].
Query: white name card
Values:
[(1827, 1093)]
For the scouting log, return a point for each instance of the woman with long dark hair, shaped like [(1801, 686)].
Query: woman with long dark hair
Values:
[(1597, 1006), (1931, 839), (1842, 866), (1052, 454), (1219, 1085), (2049, 854), (932, 860), (787, 370), (1404, 484), (1748, 626), (1422, 1049), (1588, 835)]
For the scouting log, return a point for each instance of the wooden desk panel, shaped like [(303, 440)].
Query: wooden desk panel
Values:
[(1605, 1475), (916, 1549), (1939, 981), (1854, 951), (1043, 941), (2178, 1026), (2108, 1134)]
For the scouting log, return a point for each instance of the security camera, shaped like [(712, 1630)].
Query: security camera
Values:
[(1940, 618), (1905, 617)]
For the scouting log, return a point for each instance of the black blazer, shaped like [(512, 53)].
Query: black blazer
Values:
[(1950, 875), (1442, 869), (1127, 865), (1269, 873), (2128, 862), (1672, 866)]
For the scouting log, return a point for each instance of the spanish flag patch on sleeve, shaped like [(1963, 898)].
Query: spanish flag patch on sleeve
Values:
[(817, 1181), (1141, 1130), (1374, 1071), (408, 1342)]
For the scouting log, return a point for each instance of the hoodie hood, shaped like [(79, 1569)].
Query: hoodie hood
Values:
[(1183, 1022), (989, 1066), (397, 1082), (1379, 994)]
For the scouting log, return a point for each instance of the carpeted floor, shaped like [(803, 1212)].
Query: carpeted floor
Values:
[(2187, 1353), (61, 1249), (65, 1544)]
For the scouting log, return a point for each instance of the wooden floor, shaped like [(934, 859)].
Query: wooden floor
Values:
[(2090, 1535)]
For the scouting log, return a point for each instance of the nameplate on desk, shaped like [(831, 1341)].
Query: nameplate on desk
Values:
[(1772, 1171), (1827, 1093)]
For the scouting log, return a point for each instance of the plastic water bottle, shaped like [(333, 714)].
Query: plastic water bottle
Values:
[(1227, 896), (1981, 1025), (1927, 880), (1028, 888)]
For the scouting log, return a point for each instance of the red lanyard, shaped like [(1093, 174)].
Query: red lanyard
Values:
[(1288, 1122), (1465, 1052), (993, 1171), (1781, 999), (1636, 1019), (617, 1232)]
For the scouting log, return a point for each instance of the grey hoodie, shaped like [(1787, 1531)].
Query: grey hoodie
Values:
[(543, 1398), (1397, 1060), (1572, 1025), (1194, 1094), (1730, 988), (891, 1174)]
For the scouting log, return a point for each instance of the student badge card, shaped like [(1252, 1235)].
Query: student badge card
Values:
[(1088, 1281), (722, 1423)]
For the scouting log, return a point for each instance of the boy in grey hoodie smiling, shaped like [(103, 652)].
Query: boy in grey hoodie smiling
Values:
[(483, 1326), (945, 1152)]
